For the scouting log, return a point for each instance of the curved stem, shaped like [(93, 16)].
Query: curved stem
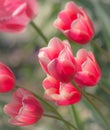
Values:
[(55, 117), (39, 31), (97, 98), (55, 111), (104, 89), (93, 105), (76, 117)]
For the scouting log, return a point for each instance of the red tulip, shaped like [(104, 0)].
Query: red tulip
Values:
[(16, 14), (74, 22), (60, 93), (24, 109), (89, 72), (7, 78), (57, 60)]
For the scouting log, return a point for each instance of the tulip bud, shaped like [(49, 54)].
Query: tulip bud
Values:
[(74, 22), (89, 72), (24, 109)]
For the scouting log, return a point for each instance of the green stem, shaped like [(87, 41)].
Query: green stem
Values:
[(39, 31), (55, 117), (76, 117), (92, 104), (97, 98), (55, 111), (105, 89)]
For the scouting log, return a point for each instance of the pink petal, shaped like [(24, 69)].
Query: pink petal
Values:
[(86, 78), (61, 70)]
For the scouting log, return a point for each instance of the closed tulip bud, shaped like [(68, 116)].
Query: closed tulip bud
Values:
[(89, 72), (75, 23), (24, 109)]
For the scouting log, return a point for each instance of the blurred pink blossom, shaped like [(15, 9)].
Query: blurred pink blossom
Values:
[(7, 78), (16, 14)]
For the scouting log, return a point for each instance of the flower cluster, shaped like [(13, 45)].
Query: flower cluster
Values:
[(59, 63), (65, 71), (24, 108), (62, 68)]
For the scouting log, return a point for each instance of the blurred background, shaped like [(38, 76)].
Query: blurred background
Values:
[(19, 52)]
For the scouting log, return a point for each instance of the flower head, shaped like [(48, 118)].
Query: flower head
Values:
[(16, 14), (74, 22), (57, 60), (89, 72), (60, 93), (24, 108)]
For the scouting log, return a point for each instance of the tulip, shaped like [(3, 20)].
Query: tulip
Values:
[(89, 72), (60, 93), (74, 22), (57, 60), (7, 78), (24, 109), (16, 14)]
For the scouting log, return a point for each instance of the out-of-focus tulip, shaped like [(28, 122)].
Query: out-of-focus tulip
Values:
[(60, 93), (16, 14), (89, 72), (24, 109), (57, 60), (74, 22), (7, 78)]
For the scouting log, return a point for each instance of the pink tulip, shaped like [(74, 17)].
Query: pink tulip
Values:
[(74, 22), (24, 109), (57, 60), (89, 72), (16, 14), (7, 78), (60, 93)]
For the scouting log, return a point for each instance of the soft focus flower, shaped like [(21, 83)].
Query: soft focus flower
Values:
[(60, 93), (16, 14), (74, 22), (57, 60), (89, 72), (24, 108), (7, 78)]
